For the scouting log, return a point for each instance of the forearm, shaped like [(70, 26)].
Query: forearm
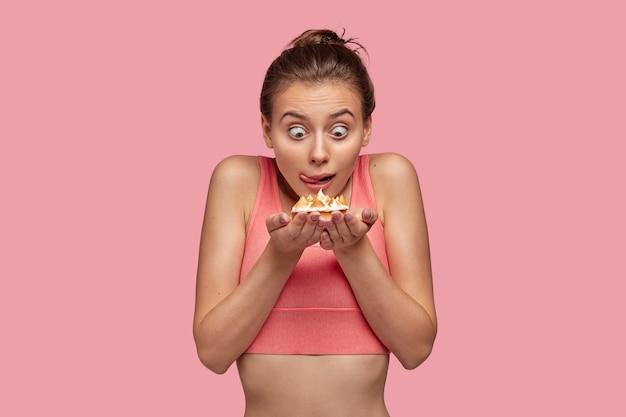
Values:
[(227, 330), (399, 321)]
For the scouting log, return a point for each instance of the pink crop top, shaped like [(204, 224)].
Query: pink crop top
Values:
[(316, 313)]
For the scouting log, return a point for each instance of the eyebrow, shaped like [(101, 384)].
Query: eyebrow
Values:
[(292, 114), (303, 117), (341, 113)]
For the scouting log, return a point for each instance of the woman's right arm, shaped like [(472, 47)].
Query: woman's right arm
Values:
[(228, 315)]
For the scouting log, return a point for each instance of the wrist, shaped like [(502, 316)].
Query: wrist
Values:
[(354, 249), (284, 252)]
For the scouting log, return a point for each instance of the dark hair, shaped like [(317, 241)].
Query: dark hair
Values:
[(318, 55)]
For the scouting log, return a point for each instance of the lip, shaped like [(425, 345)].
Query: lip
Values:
[(312, 182)]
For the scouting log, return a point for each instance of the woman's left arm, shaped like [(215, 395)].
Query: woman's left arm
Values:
[(399, 304)]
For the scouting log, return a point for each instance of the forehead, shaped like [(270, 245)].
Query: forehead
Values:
[(325, 97)]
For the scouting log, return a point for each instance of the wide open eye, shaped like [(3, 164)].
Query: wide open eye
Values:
[(339, 132), (297, 132)]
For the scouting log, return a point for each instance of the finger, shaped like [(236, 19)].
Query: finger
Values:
[(276, 221), (300, 218), (331, 233), (342, 225), (357, 225), (312, 229), (325, 240), (369, 216)]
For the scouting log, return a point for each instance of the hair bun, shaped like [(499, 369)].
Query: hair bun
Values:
[(331, 38), (317, 37)]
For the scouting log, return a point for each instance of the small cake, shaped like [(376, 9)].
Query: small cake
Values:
[(321, 203)]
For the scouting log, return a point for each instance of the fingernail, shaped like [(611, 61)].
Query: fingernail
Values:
[(367, 214), (348, 217)]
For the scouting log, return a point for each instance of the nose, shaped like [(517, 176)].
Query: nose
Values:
[(319, 151)]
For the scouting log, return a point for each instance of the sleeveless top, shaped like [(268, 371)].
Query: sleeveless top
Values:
[(316, 312)]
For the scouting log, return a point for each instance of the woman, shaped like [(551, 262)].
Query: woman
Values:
[(309, 308)]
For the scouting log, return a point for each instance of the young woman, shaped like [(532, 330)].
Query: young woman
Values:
[(310, 309)]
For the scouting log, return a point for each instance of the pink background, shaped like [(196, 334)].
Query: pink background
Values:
[(113, 114)]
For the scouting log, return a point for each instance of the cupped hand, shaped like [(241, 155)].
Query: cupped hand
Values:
[(346, 229), (294, 234)]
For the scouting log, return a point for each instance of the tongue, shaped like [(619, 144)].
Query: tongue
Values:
[(309, 180)]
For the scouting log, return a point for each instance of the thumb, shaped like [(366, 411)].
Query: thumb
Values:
[(276, 221), (369, 216)]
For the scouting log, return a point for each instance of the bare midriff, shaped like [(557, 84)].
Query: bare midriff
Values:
[(314, 385)]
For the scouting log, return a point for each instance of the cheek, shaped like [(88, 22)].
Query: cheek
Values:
[(289, 152), (286, 163)]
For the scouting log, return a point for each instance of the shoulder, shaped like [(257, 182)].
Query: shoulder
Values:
[(394, 181), (234, 183), (389, 169), (237, 168)]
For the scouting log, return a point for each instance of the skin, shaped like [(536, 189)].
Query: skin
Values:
[(316, 132)]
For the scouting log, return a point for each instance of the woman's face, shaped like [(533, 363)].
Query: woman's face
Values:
[(317, 132)]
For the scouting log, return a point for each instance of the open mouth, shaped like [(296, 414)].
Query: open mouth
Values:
[(324, 180), (317, 181)]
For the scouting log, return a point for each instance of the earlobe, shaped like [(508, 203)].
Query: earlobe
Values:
[(367, 131), (266, 127)]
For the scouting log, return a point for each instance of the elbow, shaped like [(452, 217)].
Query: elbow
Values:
[(212, 362), (214, 365), (215, 359), (415, 358), (218, 369), (417, 352)]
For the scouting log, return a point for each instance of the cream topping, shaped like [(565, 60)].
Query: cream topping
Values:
[(320, 202)]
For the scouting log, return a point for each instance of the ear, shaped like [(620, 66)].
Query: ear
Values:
[(266, 127), (367, 131)]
